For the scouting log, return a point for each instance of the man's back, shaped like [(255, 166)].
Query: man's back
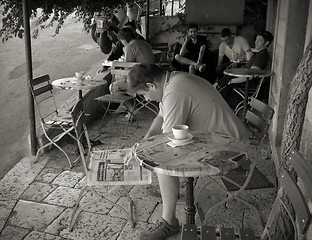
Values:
[(139, 51), (191, 100)]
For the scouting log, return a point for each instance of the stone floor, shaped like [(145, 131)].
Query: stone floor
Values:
[(37, 199)]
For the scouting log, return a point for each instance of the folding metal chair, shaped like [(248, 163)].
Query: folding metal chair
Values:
[(132, 103), (163, 47), (205, 232), (258, 119), (253, 92), (106, 169), (119, 71), (55, 124), (299, 194)]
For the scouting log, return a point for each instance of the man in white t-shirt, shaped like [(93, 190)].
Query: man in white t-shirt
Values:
[(183, 98), (234, 47)]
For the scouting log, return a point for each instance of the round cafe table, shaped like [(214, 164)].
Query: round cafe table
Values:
[(72, 83), (205, 154), (248, 74)]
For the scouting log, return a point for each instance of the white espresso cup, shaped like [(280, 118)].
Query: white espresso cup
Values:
[(180, 131), (79, 75)]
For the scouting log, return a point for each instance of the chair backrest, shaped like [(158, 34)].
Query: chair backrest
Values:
[(259, 117), (298, 191), (163, 47), (81, 132), (41, 90), (120, 71)]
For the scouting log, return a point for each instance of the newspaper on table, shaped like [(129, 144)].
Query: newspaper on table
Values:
[(119, 167)]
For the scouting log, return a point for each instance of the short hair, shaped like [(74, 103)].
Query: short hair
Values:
[(141, 74), (192, 25), (226, 32), (126, 34), (131, 25), (267, 36)]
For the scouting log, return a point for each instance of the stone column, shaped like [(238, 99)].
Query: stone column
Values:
[(288, 47)]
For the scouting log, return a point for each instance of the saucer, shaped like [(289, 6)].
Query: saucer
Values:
[(180, 141)]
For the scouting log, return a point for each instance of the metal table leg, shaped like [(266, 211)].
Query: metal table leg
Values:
[(190, 209)]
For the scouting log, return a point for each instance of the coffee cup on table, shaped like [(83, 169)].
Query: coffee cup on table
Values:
[(180, 131), (79, 75)]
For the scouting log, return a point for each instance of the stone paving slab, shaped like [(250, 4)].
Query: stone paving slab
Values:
[(34, 215), (40, 204), (18, 178)]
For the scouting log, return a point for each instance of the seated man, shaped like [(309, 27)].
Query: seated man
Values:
[(184, 99), (192, 53), (233, 47), (135, 50), (257, 61), (117, 51)]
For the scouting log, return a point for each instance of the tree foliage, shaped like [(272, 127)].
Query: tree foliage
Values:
[(49, 13)]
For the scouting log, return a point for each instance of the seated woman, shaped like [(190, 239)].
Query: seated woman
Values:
[(258, 61)]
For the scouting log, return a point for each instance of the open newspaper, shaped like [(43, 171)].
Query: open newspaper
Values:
[(119, 167)]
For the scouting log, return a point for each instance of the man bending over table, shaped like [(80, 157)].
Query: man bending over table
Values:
[(184, 99)]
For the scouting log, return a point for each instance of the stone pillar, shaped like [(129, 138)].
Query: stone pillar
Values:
[(290, 32)]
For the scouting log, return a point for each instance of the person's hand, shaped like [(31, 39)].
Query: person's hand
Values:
[(233, 65), (188, 37)]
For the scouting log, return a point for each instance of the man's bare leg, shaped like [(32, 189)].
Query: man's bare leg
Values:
[(192, 64), (169, 189), (184, 60)]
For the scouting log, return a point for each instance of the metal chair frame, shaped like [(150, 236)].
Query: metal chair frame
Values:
[(55, 125), (252, 93), (124, 98), (86, 151), (299, 193), (258, 118)]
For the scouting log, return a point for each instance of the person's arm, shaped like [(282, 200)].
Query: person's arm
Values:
[(246, 48), (241, 79), (249, 54), (183, 49), (221, 55), (129, 55), (201, 53), (220, 60), (155, 128)]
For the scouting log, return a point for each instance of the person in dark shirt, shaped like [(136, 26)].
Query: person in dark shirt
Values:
[(258, 61), (192, 53)]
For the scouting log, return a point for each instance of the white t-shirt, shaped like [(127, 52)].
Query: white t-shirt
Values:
[(189, 99), (240, 46)]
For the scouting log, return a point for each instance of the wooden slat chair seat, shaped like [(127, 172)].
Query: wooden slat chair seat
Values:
[(118, 70), (55, 124), (299, 193), (205, 232), (258, 119)]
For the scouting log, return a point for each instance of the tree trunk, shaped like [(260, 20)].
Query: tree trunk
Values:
[(297, 103), (296, 109)]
